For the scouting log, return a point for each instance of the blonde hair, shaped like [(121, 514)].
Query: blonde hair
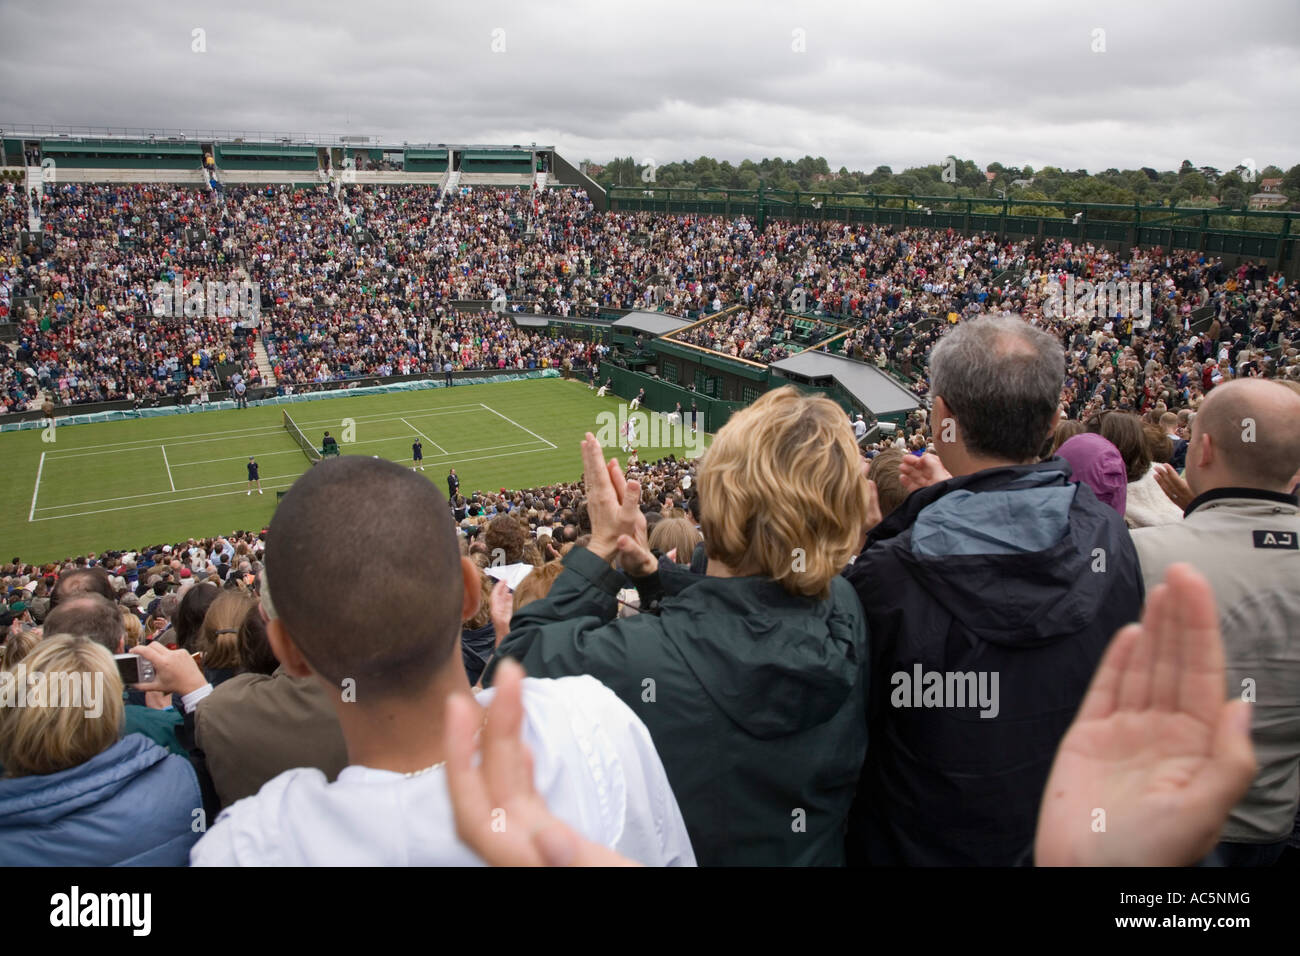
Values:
[(782, 492), (676, 533), (44, 740), (222, 625), (134, 629), (537, 584), (483, 615), (17, 646)]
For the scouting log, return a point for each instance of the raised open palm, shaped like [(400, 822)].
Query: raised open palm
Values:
[(613, 502), (1156, 758), (499, 813)]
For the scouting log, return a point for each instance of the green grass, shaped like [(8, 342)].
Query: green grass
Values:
[(125, 485)]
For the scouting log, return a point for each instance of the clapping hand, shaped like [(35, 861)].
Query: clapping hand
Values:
[(917, 472), (614, 507), (499, 813), (1173, 485), (1156, 758)]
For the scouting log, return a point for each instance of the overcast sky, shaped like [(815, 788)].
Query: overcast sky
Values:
[(898, 84)]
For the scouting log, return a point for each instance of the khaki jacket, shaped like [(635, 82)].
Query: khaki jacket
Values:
[(253, 727), (1247, 543)]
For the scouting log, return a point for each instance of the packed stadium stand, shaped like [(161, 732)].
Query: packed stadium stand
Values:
[(1030, 489)]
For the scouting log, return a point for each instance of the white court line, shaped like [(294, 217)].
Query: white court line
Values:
[(257, 432), (253, 428), (297, 451), (441, 450), (517, 425), (351, 444), (218, 494), (169, 467), (31, 515)]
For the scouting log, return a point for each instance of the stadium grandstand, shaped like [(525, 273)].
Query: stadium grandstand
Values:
[(190, 319)]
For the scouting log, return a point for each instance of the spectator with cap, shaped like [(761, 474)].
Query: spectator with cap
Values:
[(859, 429)]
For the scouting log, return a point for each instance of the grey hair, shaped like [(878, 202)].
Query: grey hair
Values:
[(1002, 379), (167, 605)]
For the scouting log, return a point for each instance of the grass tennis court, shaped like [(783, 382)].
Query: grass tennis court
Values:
[(146, 481)]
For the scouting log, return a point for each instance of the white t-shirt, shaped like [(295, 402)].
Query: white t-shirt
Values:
[(594, 765)]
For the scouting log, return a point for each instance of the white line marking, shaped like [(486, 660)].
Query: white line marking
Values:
[(257, 432), (243, 482), (218, 494), (517, 425), (352, 444), (441, 450), (31, 515), (169, 467)]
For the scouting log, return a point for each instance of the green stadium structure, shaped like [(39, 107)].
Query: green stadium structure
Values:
[(649, 353), (180, 156)]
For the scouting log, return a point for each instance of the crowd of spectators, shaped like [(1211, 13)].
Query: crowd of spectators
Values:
[(362, 284), (945, 649)]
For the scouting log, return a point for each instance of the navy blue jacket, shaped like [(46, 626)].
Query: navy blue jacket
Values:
[(1010, 573), (131, 805)]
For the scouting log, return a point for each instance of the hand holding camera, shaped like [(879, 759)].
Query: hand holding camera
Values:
[(173, 672)]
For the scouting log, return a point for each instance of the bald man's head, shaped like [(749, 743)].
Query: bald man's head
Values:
[(1246, 435)]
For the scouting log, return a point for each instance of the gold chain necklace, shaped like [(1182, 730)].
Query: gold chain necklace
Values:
[(443, 763)]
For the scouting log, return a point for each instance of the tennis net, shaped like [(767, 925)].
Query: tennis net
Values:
[(296, 434)]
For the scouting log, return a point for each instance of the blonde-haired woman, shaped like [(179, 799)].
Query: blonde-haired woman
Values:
[(752, 679), (133, 627), (74, 788)]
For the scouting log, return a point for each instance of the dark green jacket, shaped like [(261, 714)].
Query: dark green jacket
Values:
[(756, 699), (158, 725)]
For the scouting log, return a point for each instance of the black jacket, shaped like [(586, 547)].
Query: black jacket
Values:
[(1011, 573)]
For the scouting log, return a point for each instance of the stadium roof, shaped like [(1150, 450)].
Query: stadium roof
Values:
[(656, 323), (878, 392)]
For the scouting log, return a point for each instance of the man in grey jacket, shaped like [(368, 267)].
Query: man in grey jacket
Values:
[(1242, 531)]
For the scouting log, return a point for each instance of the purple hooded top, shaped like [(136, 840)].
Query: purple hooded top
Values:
[(1098, 464)]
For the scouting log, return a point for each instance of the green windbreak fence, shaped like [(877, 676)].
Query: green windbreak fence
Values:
[(1270, 235), (661, 396)]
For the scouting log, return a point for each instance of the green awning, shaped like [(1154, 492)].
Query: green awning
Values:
[(498, 155), (119, 147), (264, 149)]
